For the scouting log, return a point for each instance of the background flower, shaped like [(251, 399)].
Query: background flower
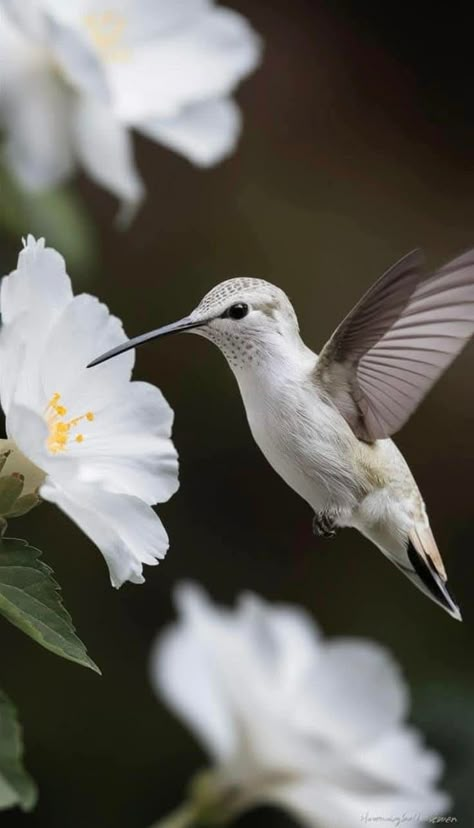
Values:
[(289, 718), (77, 76), (101, 442)]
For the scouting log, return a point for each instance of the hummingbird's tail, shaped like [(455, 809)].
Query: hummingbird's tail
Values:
[(419, 559), (427, 569)]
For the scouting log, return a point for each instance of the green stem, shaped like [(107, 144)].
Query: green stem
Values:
[(184, 817)]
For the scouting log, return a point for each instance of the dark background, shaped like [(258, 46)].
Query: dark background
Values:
[(358, 146)]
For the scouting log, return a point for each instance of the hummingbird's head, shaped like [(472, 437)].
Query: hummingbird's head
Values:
[(246, 318)]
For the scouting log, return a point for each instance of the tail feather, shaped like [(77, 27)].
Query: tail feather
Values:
[(415, 553), (423, 540), (427, 570)]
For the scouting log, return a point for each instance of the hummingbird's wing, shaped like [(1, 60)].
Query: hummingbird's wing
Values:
[(391, 348)]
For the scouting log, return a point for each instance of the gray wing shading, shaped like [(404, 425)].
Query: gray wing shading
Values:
[(391, 348)]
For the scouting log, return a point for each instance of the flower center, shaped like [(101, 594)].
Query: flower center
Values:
[(61, 431), (106, 30)]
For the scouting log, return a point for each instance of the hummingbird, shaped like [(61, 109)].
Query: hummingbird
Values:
[(324, 422)]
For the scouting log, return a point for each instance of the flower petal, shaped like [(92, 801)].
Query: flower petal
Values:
[(142, 18), (285, 644), (12, 355), (377, 701), (39, 286), (315, 803), (76, 59), (28, 16), (189, 64), (400, 758), (231, 659), (31, 299), (104, 147), (36, 113), (128, 449), (205, 133), (240, 646), (84, 330), (127, 531), (386, 776), (181, 660)]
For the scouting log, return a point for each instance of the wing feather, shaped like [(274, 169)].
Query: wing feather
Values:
[(391, 348)]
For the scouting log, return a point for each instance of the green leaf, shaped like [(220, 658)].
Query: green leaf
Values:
[(30, 599), (58, 215), (16, 785)]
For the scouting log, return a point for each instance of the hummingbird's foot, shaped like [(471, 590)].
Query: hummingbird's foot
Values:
[(324, 524)]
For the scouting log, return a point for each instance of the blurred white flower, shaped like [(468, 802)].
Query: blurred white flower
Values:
[(100, 443), (77, 75), (290, 719)]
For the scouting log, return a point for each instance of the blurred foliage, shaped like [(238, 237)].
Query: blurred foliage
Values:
[(16, 786), (59, 215)]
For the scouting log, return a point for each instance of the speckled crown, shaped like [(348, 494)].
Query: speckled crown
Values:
[(221, 293)]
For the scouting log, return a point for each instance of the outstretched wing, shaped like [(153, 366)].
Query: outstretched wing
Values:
[(391, 348)]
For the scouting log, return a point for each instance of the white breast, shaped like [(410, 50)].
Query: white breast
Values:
[(302, 437)]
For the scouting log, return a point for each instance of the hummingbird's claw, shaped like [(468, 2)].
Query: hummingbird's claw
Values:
[(324, 524)]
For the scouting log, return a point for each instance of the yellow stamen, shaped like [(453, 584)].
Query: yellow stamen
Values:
[(106, 30), (59, 429)]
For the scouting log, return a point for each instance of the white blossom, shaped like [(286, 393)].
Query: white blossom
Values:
[(98, 444), (288, 718), (78, 75)]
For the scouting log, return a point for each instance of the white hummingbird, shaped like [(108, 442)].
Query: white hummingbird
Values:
[(324, 422)]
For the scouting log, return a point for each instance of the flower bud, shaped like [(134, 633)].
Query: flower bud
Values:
[(20, 481)]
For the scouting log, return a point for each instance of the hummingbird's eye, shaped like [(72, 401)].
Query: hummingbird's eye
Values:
[(237, 311)]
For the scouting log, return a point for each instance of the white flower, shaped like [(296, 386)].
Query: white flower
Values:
[(290, 719), (77, 75), (101, 441)]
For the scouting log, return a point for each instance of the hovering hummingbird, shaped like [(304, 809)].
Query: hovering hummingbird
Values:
[(324, 422)]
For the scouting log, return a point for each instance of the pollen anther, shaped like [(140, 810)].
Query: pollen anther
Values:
[(59, 429), (106, 30)]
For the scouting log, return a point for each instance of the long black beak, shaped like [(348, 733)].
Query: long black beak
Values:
[(176, 327)]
